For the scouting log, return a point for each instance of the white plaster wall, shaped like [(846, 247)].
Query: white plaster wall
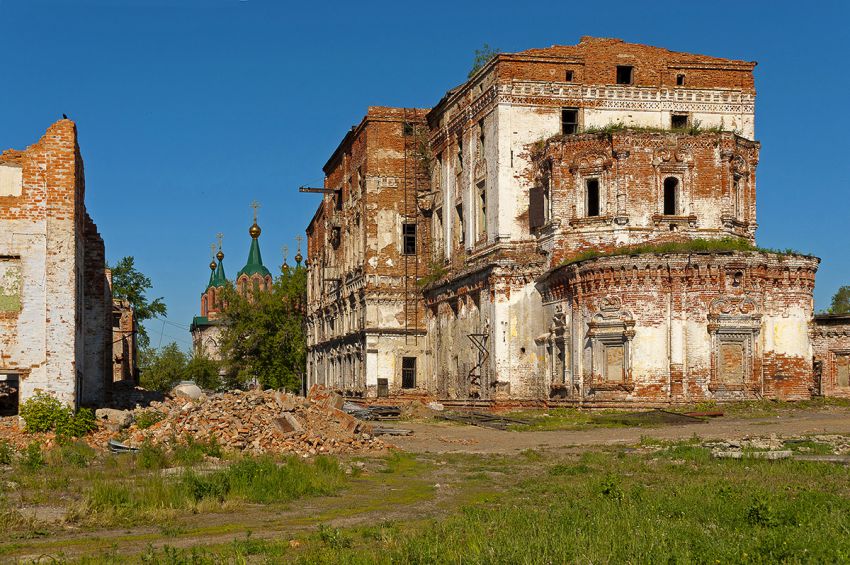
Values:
[(649, 352), (517, 128), (11, 180), (23, 339), (789, 333)]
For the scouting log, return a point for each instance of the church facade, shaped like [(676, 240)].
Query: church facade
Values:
[(590, 239)]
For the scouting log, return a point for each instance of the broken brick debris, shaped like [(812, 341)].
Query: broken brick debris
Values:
[(261, 422)]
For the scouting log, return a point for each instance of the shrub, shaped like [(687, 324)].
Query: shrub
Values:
[(41, 412), (76, 425), (44, 413)]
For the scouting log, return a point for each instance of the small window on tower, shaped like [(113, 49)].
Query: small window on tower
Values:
[(671, 185), (569, 76), (679, 121), (624, 74), (407, 129), (569, 120), (680, 80), (592, 197), (409, 239)]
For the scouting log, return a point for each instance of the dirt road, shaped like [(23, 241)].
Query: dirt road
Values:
[(446, 437)]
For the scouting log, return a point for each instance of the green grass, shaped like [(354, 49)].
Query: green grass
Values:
[(765, 408), (723, 245), (124, 490), (677, 505), (570, 419)]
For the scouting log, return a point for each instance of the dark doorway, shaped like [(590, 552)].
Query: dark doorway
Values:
[(408, 372), (383, 388)]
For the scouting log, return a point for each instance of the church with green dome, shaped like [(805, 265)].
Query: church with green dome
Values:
[(251, 279)]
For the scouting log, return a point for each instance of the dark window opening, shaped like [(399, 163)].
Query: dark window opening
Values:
[(460, 230), (569, 76), (680, 80), (9, 386), (592, 197), (336, 234), (408, 233), (338, 199), (408, 372), (624, 74), (679, 121), (482, 211), (569, 120), (407, 129), (671, 184)]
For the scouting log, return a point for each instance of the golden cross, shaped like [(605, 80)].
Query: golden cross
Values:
[(212, 250), (219, 236), (299, 238), (285, 250), (255, 205)]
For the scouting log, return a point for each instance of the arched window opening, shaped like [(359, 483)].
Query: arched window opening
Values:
[(671, 187)]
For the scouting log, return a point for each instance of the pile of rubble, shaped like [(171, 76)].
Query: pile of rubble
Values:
[(259, 422)]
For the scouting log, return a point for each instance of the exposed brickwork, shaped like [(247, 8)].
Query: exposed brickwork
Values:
[(696, 327), (124, 344), (58, 337), (831, 344), (516, 189), (364, 306)]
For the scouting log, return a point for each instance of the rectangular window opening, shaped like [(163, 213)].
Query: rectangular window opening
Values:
[(569, 76), (569, 121), (592, 197), (459, 224), (624, 74), (9, 386), (408, 372), (407, 129), (679, 121), (842, 370), (383, 388), (408, 232), (671, 184), (680, 80), (482, 211)]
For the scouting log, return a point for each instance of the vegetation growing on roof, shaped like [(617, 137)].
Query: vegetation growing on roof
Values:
[(724, 245), (696, 128), (482, 57)]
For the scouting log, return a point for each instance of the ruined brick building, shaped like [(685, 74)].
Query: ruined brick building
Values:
[(55, 298), (544, 167), (365, 254)]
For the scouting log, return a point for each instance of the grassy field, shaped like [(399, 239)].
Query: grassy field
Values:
[(582, 419), (658, 501)]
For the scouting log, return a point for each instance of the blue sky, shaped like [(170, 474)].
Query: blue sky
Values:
[(189, 110)]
